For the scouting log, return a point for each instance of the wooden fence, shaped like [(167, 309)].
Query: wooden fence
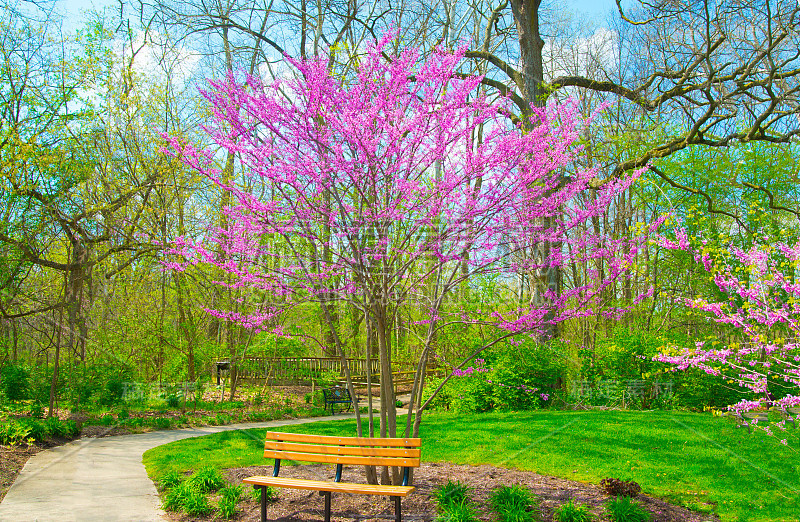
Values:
[(302, 370)]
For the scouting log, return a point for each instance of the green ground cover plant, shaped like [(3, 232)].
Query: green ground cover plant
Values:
[(450, 494), (691, 459), (513, 504), (572, 512), (624, 509)]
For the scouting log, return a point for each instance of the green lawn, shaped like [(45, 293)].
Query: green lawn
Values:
[(695, 460)]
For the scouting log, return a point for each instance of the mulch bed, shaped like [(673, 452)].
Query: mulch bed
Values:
[(419, 506)]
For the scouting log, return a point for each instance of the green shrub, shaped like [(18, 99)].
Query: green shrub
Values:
[(14, 433), (66, 429), (572, 512), (506, 378), (173, 401), (625, 509), (451, 494), (177, 496), (229, 496), (160, 423), (206, 479), (459, 512), (15, 382), (227, 507), (36, 410), (513, 504), (272, 494), (169, 480), (196, 503)]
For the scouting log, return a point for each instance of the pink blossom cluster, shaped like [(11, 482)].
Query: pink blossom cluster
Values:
[(763, 304)]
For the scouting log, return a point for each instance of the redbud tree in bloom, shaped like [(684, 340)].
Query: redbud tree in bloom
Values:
[(762, 304), (391, 188)]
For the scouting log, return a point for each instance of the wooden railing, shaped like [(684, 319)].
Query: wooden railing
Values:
[(302, 370)]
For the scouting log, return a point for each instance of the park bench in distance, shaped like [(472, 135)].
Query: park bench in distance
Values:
[(337, 395), (359, 451)]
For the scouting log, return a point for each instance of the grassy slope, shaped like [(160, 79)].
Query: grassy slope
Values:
[(691, 459)]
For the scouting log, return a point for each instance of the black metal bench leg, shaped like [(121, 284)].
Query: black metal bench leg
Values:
[(327, 495), (263, 503), (397, 513)]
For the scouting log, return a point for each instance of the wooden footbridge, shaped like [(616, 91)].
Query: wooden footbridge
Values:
[(308, 370)]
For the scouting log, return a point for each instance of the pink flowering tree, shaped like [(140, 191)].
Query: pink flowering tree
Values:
[(394, 188), (762, 305)]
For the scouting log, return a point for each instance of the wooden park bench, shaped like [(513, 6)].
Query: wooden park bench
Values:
[(748, 418), (762, 417), (361, 451), (337, 395), (792, 412)]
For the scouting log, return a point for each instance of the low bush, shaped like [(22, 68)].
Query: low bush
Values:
[(624, 509), (28, 430), (620, 488), (206, 479), (15, 382), (572, 512), (451, 494), (177, 496), (513, 504), (506, 378), (271, 493), (169, 480), (229, 497), (14, 433), (460, 512)]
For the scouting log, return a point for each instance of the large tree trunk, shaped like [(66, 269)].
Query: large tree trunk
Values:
[(526, 18)]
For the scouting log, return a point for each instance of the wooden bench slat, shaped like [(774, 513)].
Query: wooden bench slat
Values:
[(342, 459), (343, 487), (343, 441), (343, 450)]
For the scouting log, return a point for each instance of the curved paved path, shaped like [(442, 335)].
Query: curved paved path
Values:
[(101, 479)]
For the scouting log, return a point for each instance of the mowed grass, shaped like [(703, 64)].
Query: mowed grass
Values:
[(695, 460)]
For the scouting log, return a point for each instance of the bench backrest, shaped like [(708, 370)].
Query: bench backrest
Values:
[(336, 394), (363, 451)]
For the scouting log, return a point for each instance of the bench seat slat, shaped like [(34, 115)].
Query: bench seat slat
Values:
[(343, 487), (341, 459), (343, 450), (348, 441)]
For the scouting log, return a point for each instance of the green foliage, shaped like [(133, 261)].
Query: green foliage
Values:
[(505, 378), (572, 512), (458, 512), (25, 430), (229, 496), (227, 507), (513, 504), (186, 497), (624, 509), (234, 491), (207, 479), (272, 493), (169, 480), (14, 433), (451, 494), (177, 497), (15, 382)]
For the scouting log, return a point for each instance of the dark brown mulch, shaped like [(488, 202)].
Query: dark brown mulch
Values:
[(12, 460), (419, 506)]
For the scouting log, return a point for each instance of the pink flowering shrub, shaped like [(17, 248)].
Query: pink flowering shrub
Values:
[(762, 306)]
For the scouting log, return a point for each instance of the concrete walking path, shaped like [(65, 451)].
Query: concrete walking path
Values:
[(102, 479)]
